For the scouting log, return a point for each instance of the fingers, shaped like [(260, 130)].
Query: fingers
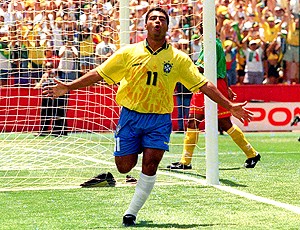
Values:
[(249, 112), (244, 103), (57, 80), (49, 91), (50, 94)]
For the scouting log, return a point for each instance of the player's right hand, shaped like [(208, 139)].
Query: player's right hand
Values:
[(56, 90)]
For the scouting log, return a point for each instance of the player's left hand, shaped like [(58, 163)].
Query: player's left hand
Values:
[(240, 112), (56, 90)]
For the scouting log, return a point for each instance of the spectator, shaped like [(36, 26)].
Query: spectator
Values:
[(4, 61), (270, 29), (47, 107), (3, 26), (52, 8), (183, 99), (195, 47), (291, 55), (273, 52), (86, 17), (105, 48), (176, 35), (50, 56), (17, 8), (7, 13), (86, 50), (19, 59), (270, 33), (58, 22), (52, 110), (231, 63), (67, 67), (183, 45), (239, 11), (57, 31), (174, 18), (254, 72), (279, 13), (36, 56), (227, 31)]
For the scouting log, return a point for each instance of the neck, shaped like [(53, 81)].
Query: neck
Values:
[(155, 44)]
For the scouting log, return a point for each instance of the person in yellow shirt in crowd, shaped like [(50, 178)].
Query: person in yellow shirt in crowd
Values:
[(270, 33), (291, 55), (36, 56), (86, 50)]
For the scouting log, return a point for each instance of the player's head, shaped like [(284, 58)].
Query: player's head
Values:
[(157, 21), (159, 10)]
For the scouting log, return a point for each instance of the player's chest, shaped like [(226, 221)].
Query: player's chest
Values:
[(162, 65)]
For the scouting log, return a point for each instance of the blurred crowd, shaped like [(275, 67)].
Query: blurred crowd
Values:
[(260, 38)]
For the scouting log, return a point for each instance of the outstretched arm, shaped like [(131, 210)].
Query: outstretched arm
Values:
[(61, 88), (236, 109)]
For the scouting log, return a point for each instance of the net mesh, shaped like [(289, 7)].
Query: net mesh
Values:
[(62, 143)]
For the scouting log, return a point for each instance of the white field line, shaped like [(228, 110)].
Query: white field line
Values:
[(249, 196)]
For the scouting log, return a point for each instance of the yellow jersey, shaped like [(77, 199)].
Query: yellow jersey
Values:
[(36, 53), (87, 47), (270, 33), (293, 34), (148, 78)]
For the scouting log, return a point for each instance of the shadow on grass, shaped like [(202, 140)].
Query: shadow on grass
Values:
[(194, 174), (150, 224), (231, 169)]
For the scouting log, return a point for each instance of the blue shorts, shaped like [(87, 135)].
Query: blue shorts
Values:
[(136, 131)]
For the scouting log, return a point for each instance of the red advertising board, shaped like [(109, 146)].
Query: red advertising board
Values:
[(94, 108), (276, 116)]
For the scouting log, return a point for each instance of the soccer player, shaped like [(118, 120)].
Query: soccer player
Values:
[(196, 115), (148, 72)]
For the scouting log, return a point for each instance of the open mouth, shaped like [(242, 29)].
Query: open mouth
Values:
[(157, 27)]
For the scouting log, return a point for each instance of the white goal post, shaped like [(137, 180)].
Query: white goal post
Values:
[(210, 71)]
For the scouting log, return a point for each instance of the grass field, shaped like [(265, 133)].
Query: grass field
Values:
[(40, 176)]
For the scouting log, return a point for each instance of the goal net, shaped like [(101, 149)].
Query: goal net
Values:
[(61, 143)]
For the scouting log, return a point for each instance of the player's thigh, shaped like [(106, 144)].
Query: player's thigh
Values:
[(225, 123), (126, 163), (194, 120), (151, 160)]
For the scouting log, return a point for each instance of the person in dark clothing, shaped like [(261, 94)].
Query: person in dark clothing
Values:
[(52, 110), (183, 98)]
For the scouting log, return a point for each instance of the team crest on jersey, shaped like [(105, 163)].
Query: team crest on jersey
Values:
[(167, 67)]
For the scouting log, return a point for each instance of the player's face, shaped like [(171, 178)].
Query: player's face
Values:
[(157, 25)]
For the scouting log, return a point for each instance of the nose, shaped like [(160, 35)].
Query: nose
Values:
[(157, 20)]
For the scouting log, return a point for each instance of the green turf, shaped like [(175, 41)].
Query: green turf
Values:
[(174, 203)]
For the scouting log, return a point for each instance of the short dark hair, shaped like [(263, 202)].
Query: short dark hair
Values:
[(157, 9)]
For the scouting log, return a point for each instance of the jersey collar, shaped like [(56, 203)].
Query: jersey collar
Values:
[(164, 46)]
